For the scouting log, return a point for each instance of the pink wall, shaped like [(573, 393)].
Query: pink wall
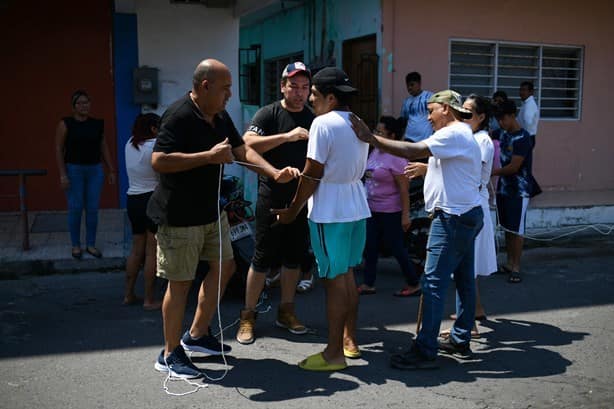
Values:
[(570, 155)]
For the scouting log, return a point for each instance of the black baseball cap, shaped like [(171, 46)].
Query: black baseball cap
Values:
[(333, 77)]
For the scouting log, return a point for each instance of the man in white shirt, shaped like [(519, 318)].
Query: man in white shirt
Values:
[(452, 196), (528, 116), (337, 212)]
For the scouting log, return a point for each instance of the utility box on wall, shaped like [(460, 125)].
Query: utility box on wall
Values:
[(145, 85)]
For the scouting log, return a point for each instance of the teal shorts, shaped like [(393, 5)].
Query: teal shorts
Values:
[(337, 246)]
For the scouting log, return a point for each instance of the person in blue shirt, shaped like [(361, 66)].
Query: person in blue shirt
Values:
[(415, 111), (516, 184)]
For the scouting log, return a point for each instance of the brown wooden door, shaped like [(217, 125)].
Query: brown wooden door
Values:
[(360, 62)]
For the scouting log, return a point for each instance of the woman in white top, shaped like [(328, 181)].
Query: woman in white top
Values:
[(142, 181), (485, 252)]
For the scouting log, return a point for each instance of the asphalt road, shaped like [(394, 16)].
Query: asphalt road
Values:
[(66, 342)]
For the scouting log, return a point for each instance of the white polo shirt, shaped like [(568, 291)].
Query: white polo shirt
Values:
[(452, 181)]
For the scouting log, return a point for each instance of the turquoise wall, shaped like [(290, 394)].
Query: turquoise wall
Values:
[(293, 30), (278, 35)]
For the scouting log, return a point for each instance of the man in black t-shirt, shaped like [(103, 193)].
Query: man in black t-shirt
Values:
[(279, 132), (196, 138)]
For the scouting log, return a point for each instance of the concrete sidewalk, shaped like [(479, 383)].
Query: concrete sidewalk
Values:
[(50, 244), (50, 241)]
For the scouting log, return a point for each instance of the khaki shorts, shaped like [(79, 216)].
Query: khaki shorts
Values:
[(180, 248)]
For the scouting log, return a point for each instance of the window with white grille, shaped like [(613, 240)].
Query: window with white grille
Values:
[(484, 67)]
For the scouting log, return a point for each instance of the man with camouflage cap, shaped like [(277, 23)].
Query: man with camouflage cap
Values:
[(451, 195)]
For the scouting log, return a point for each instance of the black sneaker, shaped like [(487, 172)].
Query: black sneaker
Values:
[(412, 359), (160, 364), (447, 346), (179, 365), (207, 344)]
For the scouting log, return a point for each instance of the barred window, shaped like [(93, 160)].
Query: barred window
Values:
[(484, 67), (272, 75), (249, 75)]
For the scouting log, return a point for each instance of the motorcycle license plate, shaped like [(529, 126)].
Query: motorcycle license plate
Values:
[(238, 231)]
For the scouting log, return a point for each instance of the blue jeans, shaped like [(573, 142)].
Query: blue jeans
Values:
[(84, 193), (450, 251), (386, 228)]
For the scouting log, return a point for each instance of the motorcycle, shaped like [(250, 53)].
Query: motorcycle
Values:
[(416, 237), (240, 216)]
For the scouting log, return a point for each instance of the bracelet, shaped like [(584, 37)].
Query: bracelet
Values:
[(310, 177)]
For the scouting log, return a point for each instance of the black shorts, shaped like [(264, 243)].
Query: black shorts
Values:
[(512, 212), (136, 205), (283, 244)]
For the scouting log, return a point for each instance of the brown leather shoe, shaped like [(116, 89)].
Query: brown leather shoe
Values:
[(286, 318), (247, 322)]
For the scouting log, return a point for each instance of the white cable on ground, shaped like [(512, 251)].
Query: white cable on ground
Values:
[(197, 386), (578, 228), (602, 229)]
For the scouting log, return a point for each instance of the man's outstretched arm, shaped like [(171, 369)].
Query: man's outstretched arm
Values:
[(404, 149)]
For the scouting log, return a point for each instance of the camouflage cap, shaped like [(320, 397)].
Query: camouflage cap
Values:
[(452, 99)]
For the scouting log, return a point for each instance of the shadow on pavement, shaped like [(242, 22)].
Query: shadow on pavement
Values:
[(512, 349)]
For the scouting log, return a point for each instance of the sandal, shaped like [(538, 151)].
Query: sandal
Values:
[(77, 254), (318, 363), (475, 334), (503, 269), (406, 292), (514, 277), (352, 353), (350, 349), (477, 317), (304, 285), (94, 252)]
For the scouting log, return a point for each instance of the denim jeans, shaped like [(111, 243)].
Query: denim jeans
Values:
[(450, 251), (84, 193), (386, 228)]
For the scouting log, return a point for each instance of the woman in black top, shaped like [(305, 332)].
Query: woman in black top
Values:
[(80, 149)]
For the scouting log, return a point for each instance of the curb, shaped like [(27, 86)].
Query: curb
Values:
[(12, 270)]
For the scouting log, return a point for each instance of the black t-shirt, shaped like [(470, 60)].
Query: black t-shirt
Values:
[(83, 141), (274, 119), (189, 198)]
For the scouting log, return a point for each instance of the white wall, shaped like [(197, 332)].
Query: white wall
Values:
[(175, 37)]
